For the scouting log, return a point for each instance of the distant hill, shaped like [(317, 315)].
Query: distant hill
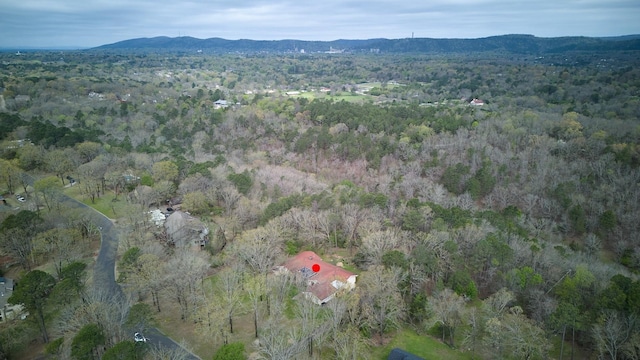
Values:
[(513, 44)]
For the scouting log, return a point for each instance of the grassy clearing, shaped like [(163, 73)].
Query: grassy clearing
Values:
[(346, 96), (169, 323), (422, 345), (108, 204), (309, 95), (349, 97)]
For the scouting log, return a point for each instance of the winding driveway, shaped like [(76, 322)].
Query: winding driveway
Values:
[(104, 271)]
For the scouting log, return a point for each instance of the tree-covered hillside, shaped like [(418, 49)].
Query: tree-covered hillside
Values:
[(509, 44)]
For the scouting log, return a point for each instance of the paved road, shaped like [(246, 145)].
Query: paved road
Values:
[(104, 271)]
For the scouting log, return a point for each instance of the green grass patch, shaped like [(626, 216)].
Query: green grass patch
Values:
[(346, 96), (108, 204), (422, 345), (349, 97), (307, 95)]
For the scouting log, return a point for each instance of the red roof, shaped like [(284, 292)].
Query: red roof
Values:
[(320, 282)]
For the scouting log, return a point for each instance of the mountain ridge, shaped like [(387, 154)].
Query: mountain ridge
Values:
[(511, 43)]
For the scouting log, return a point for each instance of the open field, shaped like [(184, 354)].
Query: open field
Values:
[(344, 95)]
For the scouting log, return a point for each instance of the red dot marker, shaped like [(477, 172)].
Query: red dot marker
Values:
[(315, 267)]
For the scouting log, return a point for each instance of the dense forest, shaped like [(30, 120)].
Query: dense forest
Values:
[(506, 228)]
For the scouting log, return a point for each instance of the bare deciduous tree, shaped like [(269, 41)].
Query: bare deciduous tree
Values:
[(184, 280), (376, 244), (18, 243), (229, 196), (349, 344), (255, 287), (59, 245), (279, 342), (381, 301), (228, 294), (260, 248), (169, 353), (612, 331), (448, 308), (99, 306)]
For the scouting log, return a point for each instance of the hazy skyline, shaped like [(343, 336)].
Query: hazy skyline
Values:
[(89, 23)]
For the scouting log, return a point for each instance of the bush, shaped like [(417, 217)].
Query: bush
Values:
[(232, 351), (242, 182)]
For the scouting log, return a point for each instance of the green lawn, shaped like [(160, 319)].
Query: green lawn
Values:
[(106, 204), (346, 96), (308, 95), (350, 97), (424, 346)]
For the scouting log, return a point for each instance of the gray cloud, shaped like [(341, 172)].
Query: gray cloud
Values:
[(84, 23)]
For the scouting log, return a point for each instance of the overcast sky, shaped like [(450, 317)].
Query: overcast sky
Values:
[(88, 23)]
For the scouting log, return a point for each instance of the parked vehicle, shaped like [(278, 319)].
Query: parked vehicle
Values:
[(138, 337), (20, 198)]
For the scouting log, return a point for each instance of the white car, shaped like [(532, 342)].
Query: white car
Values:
[(20, 198), (137, 337)]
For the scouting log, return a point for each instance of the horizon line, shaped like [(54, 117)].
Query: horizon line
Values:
[(85, 47)]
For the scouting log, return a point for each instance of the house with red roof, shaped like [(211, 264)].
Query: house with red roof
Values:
[(323, 279)]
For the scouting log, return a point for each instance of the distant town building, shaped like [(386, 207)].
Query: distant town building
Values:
[(220, 104)]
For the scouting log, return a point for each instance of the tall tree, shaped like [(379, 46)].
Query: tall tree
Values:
[(349, 344), (280, 341), (165, 170), (150, 276), (49, 189), (184, 282), (447, 308), (255, 286), (227, 293), (381, 300), (140, 317), (518, 336), (89, 150), (612, 331), (33, 292), (88, 343), (16, 236), (10, 174), (124, 350), (59, 162), (59, 245), (92, 178), (260, 248)]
